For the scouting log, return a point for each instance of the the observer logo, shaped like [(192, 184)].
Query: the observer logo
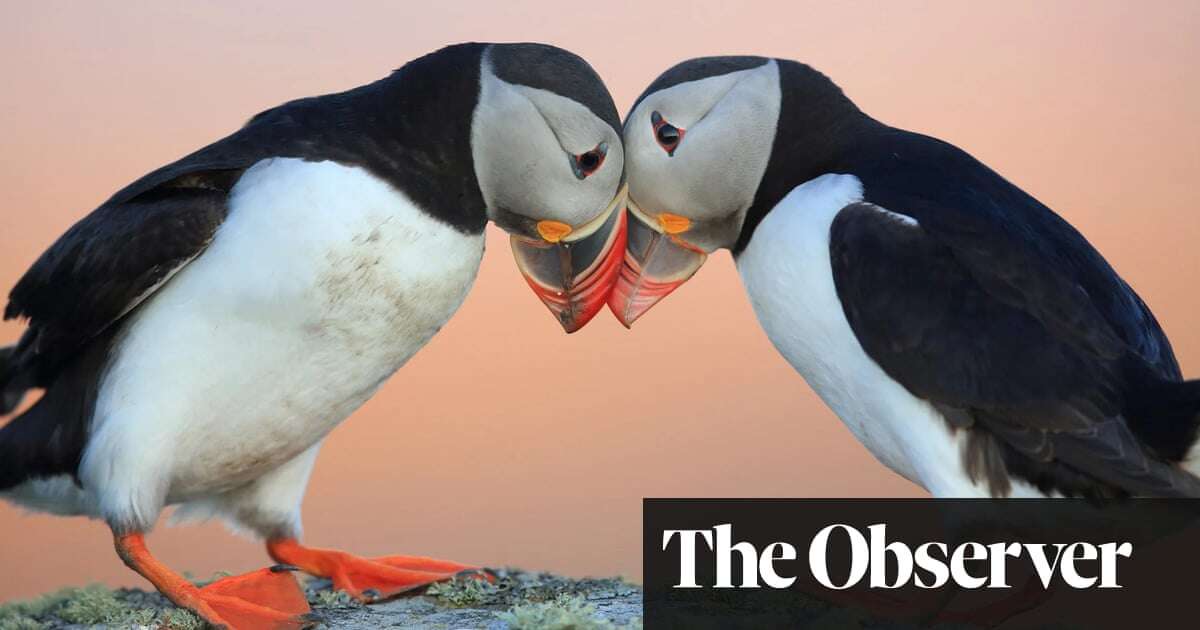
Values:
[(890, 565), (748, 564)]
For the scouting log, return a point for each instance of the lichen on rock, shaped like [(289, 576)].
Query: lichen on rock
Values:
[(511, 599)]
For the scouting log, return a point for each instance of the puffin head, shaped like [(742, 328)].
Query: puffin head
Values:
[(711, 146), (546, 143), (697, 142)]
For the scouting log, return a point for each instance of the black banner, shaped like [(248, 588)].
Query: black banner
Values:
[(1037, 563)]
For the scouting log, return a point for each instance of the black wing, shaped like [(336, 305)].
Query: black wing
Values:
[(108, 263), (117, 256), (970, 316), (113, 259), (75, 295), (97, 273), (401, 128)]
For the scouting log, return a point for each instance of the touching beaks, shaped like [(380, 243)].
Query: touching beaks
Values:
[(572, 270), (657, 260)]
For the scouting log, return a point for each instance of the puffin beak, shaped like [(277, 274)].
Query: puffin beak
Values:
[(657, 261), (572, 270)]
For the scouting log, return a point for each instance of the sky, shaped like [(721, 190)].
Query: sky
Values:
[(1089, 106)]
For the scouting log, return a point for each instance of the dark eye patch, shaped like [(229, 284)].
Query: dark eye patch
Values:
[(667, 135), (589, 162)]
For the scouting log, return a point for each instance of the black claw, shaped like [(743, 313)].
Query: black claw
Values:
[(280, 568)]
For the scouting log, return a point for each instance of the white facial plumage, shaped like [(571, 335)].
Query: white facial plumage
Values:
[(728, 124), (525, 141)]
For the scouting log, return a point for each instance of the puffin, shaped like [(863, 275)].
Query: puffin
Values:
[(967, 335), (197, 336)]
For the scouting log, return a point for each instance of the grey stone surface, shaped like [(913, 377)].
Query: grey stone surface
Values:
[(473, 603), (512, 599)]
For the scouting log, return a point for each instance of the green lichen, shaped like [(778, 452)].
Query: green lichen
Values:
[(533, 600), (180, 619), (536, 601), (566, 612), (28, 615), (93, 605), (333, 599), (467, 591), (504, 588), (90, 606), (36, 607), (12, 620)]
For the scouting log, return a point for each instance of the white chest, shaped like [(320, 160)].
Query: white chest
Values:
[(788, 275), (320, 284), (340, 256)]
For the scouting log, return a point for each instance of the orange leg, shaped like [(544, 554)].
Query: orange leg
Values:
[(266, 599), (365, 579)]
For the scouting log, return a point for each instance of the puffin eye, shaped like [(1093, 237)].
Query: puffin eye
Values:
[(668, 136), (588, 163)]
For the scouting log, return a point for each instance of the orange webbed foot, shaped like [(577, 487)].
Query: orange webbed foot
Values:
[(267, 599), (365, 579), (420, 563)]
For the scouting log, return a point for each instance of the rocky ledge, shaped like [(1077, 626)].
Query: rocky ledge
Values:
[(515, 599)]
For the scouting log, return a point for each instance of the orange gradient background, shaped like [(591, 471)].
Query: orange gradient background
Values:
[(505, 441)]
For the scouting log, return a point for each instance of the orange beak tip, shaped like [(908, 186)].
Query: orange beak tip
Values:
[(636, 292), (615, 307), (572, 326)]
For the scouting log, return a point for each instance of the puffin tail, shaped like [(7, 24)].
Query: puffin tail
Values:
[(20, 437), (1167, 418), (47, 439), (34, 449)]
